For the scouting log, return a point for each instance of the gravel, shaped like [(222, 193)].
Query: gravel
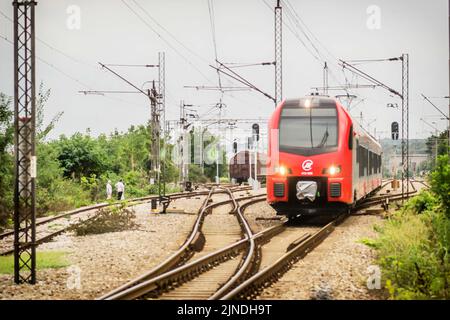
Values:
[(257, 214), (336, 269), (104, 261)]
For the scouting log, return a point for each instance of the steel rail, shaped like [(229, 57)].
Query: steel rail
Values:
[(131, 202), (193, 242), (295, 251), (306, 244), (192, 269)]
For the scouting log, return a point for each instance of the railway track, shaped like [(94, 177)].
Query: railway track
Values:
[(239, 270), (196, 245), (45, 227), (279, 257)]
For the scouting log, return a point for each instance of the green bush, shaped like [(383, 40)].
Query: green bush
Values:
[(412, 265), (413, 245), (440, 182), (62, 195), (423, 202)]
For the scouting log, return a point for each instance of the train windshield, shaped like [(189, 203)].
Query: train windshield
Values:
[(308, 131)]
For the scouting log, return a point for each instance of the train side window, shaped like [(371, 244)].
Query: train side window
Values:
[(357, 150), (350, 138)]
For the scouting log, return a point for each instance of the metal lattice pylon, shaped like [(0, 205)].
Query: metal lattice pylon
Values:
[(162, 113), (278, 53), (405, 123), (24, 139)]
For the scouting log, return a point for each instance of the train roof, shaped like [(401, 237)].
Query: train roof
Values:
[(323, 101)]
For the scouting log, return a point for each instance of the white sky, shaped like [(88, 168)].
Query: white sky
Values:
[(111, 33)]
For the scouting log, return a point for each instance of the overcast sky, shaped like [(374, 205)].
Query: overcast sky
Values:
[(111, 32)]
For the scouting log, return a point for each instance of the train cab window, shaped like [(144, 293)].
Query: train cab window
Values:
[(308, 131), (350, 138)]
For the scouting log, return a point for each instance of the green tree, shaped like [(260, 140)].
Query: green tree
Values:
[(6, 158), (80, 156)]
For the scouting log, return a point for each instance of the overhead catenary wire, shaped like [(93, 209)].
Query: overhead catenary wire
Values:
[(57, 69), (53, 48), (213, 34), (318, 57), (149, 26), (240, 79), (169, 33)]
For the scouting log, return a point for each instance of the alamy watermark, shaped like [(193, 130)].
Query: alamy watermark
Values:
[(373, 21), (73, 21), (74, 278), (374, 279)]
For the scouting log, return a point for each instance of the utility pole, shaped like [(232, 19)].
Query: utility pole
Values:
[(24, 142), (184, 144), (155, 137), (157, 111), (220, 106), (278, 53), (325, 78), (435, 139), (404, 58), (445, 116), (405, 122), (162, 114)]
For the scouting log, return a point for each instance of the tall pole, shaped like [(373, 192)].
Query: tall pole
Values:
[(24, 142), (325, 79), (155, 138), (181, 142), (162, 112), (255, 146), (217, 144), (278, 54), (405, 123)]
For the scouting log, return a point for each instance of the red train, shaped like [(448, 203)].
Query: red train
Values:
[(320, 160), (239, 166)]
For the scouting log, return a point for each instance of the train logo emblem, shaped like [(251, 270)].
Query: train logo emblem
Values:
[(307, 165)]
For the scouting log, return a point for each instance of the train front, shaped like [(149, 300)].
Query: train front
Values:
[(310, 158)]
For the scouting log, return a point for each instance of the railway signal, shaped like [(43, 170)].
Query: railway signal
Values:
[(255, 139), (394, 130), (255, 129)]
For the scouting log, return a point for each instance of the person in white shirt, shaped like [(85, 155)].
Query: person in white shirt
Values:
[(108, 190), (120, 187)]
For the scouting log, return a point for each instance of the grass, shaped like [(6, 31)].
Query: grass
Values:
[(44, 260)]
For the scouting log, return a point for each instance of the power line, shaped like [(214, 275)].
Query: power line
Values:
[(169, 33), (164, 40), (68, 56), (440, 111), (243, 65), (240, 79), (213, 33)]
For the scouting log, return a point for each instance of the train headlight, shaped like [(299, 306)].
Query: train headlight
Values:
[(307, 103), (282, 170), (332, 170)]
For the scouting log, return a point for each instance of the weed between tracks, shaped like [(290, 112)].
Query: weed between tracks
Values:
[(110, 219)]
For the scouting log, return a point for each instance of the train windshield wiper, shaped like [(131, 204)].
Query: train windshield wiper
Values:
[(324, 139)]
